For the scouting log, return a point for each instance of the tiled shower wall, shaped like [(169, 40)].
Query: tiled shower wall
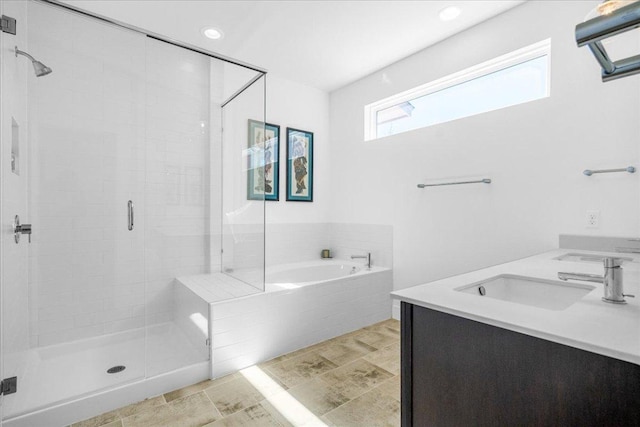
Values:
[(86, 161), (121, 118), (178, 172)]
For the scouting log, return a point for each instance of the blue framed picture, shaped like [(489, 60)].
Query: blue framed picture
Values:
[(299, 165), (263, 161)]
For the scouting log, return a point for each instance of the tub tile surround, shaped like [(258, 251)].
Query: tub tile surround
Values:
[(326, 389), (191, 314), (252, 329), (249, 326), (243, 252), (304, 241), (357, 239), (299, 242)]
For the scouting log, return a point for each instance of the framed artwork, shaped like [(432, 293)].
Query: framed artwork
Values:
[(299, 165), (263, 154)]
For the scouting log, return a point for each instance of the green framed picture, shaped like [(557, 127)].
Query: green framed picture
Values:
[(263, 161), (299, 165)]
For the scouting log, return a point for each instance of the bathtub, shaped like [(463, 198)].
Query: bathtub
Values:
[(303, 304), (291, 276)]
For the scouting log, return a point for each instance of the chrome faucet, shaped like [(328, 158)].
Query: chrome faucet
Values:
[(612, 280), (367, 257)]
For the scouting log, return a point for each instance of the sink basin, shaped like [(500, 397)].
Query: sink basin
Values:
[(547, 294), (590, 258)]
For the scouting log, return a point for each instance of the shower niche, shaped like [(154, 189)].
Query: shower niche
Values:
[(117, 158)]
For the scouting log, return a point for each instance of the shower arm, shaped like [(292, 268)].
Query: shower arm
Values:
[(19, 52)]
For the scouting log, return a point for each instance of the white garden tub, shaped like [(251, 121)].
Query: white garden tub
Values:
[(291, 276), (302, 304)]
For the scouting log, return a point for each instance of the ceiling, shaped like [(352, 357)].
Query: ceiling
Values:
[(325, 44)]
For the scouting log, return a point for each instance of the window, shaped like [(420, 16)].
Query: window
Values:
[(511, 79)]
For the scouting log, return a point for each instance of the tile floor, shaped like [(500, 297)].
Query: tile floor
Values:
[(351, 380)]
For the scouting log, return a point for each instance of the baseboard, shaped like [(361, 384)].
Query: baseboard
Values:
[(395, 309)]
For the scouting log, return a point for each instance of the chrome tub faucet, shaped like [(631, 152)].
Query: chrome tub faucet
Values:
[(612, 280), (367, 257)]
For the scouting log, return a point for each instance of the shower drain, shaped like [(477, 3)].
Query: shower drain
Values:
[(116, 369)]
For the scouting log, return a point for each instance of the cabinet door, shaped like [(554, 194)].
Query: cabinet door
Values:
[(464, 372)]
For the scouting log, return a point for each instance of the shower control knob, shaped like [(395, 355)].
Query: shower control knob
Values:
[(19, 229)]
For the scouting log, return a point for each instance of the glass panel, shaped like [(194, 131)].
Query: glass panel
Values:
[(79, 304), (178, 203), (514, 85), (248, 153), (185, 149), (4, 103)]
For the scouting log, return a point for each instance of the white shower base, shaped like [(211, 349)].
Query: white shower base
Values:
[(58, 373)]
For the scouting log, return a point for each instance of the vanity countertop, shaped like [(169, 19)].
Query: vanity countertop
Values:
[(590, 324)]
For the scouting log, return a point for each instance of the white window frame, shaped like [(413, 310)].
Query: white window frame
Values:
[(536, 50)]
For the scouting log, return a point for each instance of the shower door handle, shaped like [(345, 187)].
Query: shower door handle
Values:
[(19, 229), (130, 215)]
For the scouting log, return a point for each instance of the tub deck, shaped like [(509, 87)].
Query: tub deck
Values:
[(216, 287)]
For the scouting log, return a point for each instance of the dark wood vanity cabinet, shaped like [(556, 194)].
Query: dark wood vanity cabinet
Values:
[(459, 372)]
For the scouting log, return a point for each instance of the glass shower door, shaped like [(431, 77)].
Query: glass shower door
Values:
[(76, 297), (13, 183), (13, 258)]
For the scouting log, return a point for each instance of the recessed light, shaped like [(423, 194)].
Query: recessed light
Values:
[(450, 13), (212, 33)]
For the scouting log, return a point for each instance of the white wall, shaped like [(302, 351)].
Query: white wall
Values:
[(291, 104), (535, 153)]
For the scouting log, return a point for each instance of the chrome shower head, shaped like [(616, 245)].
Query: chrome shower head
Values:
[(39, 68)]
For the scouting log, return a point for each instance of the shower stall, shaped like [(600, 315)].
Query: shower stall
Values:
[(123, 165)]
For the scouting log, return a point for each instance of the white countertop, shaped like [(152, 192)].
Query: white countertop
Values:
[(589, 324)]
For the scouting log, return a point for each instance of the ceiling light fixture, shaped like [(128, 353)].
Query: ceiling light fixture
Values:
[(606, 7), (609, 6), (449, 13), (212, 33)]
